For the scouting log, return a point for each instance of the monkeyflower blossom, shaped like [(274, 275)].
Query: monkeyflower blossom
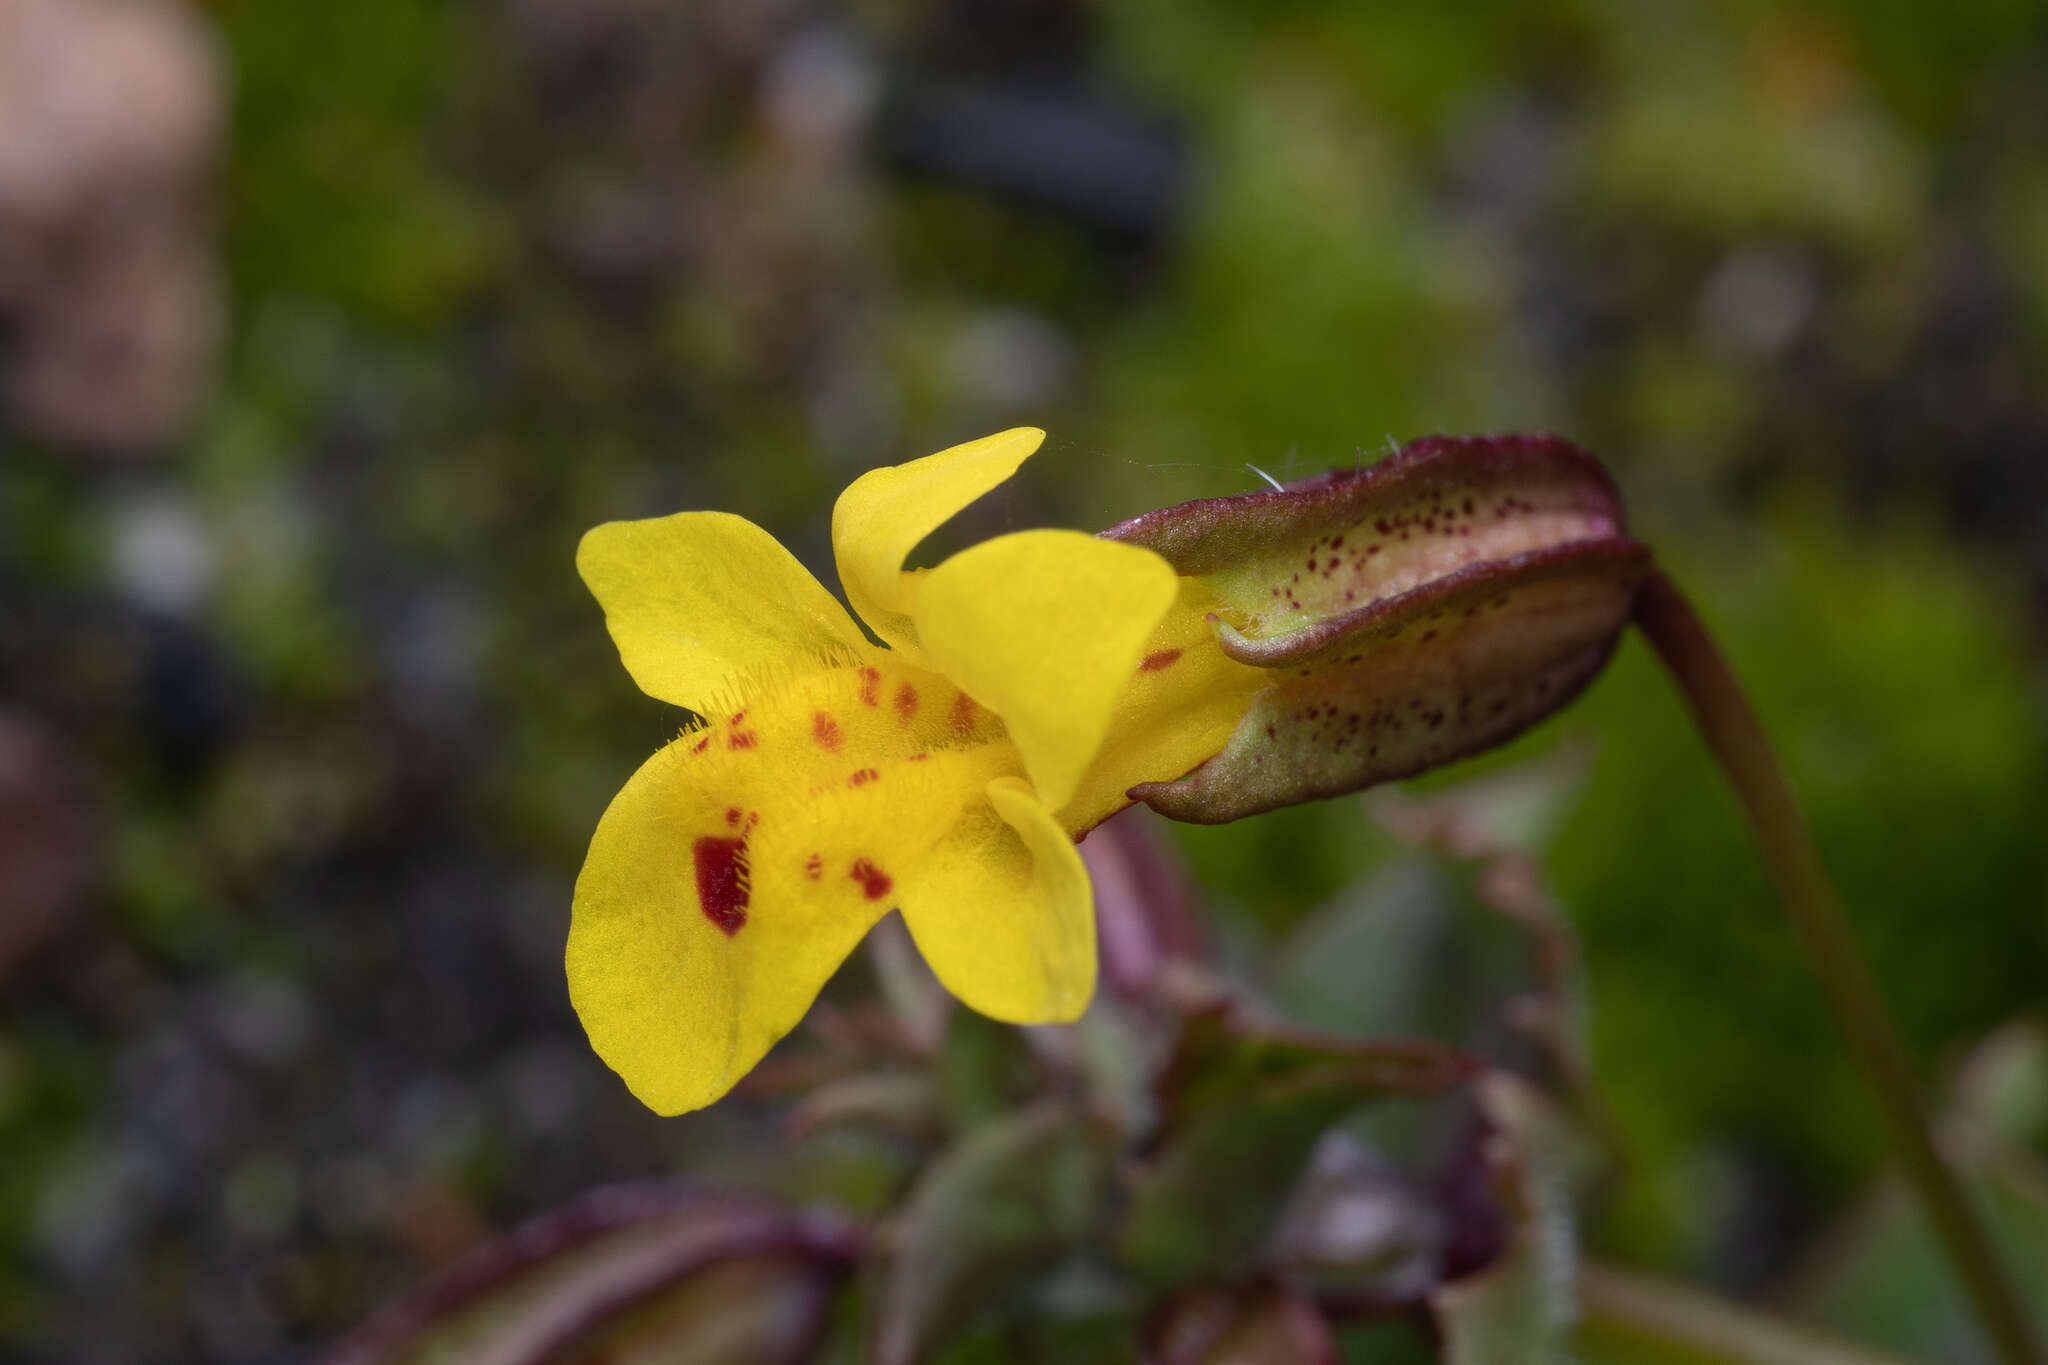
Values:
[(1214, 660), (1027, 683)]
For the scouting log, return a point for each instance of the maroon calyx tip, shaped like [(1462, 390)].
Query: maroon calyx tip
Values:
[(1206, 534)]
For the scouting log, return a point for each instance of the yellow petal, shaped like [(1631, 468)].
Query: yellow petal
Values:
[(700, 599), (1044, 628), (1178, 708), (1003, 912), (884, 513), (742, 863)]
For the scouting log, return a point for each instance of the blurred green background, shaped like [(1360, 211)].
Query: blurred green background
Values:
[(307, 719)]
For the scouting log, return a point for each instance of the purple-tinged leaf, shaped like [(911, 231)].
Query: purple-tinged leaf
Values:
[(614, 1266), (1520, 1307), (1255, 1324), (1366, 1237), (751, 1310)]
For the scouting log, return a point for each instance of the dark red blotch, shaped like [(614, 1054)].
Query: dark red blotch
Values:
[(722, 881)]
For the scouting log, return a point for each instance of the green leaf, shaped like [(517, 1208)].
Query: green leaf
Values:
[(989, 1214), (985, 1069), (893, 1101), (1635, 1319), (1888, 1280), (1243, 1106)]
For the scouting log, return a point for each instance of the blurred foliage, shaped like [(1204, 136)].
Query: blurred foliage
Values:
[(345, 718)]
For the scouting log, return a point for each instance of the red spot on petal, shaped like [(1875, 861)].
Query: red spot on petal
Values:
[(826, 732), (1158, 659), (870, 686), (742, 739), (732, 815), (917, 758), (862, 778), (906, 703), (963, 715), (701, 745), (814, 866), (874, 883), (722, 882)]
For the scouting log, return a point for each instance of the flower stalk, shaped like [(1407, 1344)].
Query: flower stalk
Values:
[(1731, 731)]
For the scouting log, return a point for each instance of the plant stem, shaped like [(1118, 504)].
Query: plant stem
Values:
[(1637, 1312), (1731, 731)]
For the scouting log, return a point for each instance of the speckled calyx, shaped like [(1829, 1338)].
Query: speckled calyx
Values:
[(1410, 613)]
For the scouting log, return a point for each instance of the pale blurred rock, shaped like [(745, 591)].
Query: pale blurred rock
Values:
[(161, 555), (111, 115)]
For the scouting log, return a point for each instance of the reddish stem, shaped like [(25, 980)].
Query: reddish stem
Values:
[(1731, 731)]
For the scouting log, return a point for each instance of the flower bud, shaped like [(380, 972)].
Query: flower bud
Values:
[(1410, 613)]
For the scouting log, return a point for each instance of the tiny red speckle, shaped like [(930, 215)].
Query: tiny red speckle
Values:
[(862, 778), (906, 702), (870, 686), (732, 815), (742, 739), (874, 883), (1158, 659), (963, 714), (701, 745), (814, 866), (826, 732)]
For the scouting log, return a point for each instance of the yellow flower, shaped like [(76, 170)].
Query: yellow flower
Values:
[(1028, 682)]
